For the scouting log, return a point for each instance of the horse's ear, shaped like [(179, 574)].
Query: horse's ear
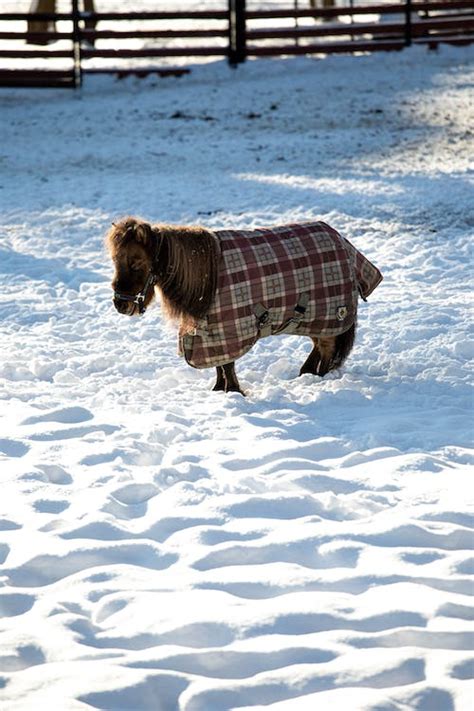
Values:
[(144, 234)]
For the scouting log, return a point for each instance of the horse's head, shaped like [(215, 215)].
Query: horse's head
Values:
[(133, 247)]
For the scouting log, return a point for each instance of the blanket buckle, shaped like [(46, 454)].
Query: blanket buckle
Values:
[(263, 320)]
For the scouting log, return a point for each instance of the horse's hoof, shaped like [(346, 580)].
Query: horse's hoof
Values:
[(222, 389), (306, 372), (236, 390)]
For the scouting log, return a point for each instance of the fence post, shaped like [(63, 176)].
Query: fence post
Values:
[(408, 33), (237, 39), (76, 44)]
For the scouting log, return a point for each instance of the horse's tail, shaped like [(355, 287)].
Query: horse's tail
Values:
[(343, 346)]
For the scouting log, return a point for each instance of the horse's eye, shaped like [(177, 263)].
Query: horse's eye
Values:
[(135, 266)]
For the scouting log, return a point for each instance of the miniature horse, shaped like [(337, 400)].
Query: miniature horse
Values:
[(226, 289)]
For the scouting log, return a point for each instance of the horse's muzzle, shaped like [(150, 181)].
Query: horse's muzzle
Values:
[(129, 304), (124, 307)]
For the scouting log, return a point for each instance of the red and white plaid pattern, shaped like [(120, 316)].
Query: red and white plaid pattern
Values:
[(274, 267)]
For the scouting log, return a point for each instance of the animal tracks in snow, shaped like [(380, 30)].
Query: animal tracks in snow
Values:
[(66, 415), (22, 657), (50, 506), (56, 474), (216, 574), (12, 448), (301, 553), (46, 569), (130, 501), (13, 604), (265, 689), (228, 664), (133, 494), (4, 551), (73, 433)]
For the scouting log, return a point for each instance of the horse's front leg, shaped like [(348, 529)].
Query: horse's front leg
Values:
[(227, 379), (220, 380)]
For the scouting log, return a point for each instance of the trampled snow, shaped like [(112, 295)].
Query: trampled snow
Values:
[(167, 548)]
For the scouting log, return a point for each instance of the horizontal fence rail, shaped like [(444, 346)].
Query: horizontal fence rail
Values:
[(346, 29), (57, 49)]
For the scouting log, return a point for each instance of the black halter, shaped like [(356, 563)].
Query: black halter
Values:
[(140, 298)]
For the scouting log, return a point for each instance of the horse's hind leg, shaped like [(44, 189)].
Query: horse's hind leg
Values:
[(311, 363), (320, 360), (327, 349), (227, 379), (231, 382)]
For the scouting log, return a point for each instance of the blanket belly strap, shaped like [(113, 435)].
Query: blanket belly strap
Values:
[(264, 321), (290, 326), (293, 323)]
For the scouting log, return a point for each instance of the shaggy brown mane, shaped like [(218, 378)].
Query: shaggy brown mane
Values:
[(184, 259)]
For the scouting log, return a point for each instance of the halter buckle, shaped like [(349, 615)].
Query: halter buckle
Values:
[(140, 302)]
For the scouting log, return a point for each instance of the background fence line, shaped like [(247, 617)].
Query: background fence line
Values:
[(235, 32)]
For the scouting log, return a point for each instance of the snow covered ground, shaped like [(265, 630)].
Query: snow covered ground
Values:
[(163, 547)]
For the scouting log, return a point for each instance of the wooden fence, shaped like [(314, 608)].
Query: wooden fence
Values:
[(83, 43)]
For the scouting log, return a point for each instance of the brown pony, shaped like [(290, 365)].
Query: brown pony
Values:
[(184, 265)]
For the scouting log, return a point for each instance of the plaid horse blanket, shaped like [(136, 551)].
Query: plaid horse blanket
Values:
[(303, 279)]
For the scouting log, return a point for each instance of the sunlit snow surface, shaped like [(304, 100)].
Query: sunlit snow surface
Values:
[(308, 547)]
